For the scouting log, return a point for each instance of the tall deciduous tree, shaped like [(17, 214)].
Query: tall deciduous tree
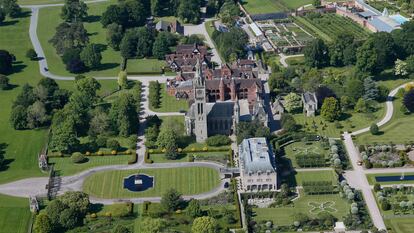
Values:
[(293, 102), (316, 54), (74, 11), (43, 224), (171, 200), (408, 100), (161, 45), (342, 51), (123, 115), (72, 35), (91, 56), (114, 35), (330, 109), (10, 7), (189, 11), (204, 225)]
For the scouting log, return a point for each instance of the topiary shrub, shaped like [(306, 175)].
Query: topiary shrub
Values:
[(78, 157), (374, 129), (218, 140), (113, 144)]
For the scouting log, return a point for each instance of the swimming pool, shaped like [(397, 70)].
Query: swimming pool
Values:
[(399, 18)]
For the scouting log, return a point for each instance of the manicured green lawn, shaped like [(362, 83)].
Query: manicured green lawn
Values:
[(400, 225), (97, 34), (188, 181), (169, 103), (294, 4), (399, 130), (283, 216), (14, 214), (354, 122), (21, 147), (38, 2), (145, 66), (66, 167), (299, 177), (263, 6), (297, 148), (295, 61), (372, 181)]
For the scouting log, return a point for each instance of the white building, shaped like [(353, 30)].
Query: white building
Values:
[(256, 166)]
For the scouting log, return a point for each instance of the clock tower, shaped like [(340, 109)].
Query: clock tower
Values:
[(200, 124)]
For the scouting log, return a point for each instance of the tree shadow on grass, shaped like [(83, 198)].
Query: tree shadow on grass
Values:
[(106, 66), (18, 67), (24, 14), (95, 208), (6, 162), (8, 23), (92, 18)]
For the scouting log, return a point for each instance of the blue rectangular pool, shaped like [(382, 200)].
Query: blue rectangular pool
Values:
[(393, 178)]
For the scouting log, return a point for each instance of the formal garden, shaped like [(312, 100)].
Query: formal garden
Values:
[(386, 155), (318, 206), (285, 33), (188, 181), (395, 200), (329, 25), (321, 153)]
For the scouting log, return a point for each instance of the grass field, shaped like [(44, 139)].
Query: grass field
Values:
[(188, 181), (353, 121), (263, 6), (66, 167), (145, 66), (399, 130), (14, 214), (21, 147), (400, 225), (169, 103), (299, 177), (51, 17), (38, 2), (283, 216), (294, 4), (372, 181), (293, 61)]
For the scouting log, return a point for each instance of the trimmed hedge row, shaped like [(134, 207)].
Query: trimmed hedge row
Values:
[(99, 153)]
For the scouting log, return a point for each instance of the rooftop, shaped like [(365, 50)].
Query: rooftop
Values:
[(256, 155)]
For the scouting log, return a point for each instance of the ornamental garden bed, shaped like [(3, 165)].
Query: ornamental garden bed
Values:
[(385, 155), (314, 153), (397, 200)]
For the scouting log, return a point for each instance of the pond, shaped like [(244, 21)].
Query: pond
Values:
[(138, 183), (393, 178)]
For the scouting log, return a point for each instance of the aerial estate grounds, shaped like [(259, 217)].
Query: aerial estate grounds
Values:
[(188, 181)]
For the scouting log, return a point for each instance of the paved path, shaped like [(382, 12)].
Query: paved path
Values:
[(201, 29), (283, 58), (358, 180), (389, 112), (357, 177)]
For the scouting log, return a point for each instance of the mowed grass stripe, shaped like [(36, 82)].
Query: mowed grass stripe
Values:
[(188, 181)]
